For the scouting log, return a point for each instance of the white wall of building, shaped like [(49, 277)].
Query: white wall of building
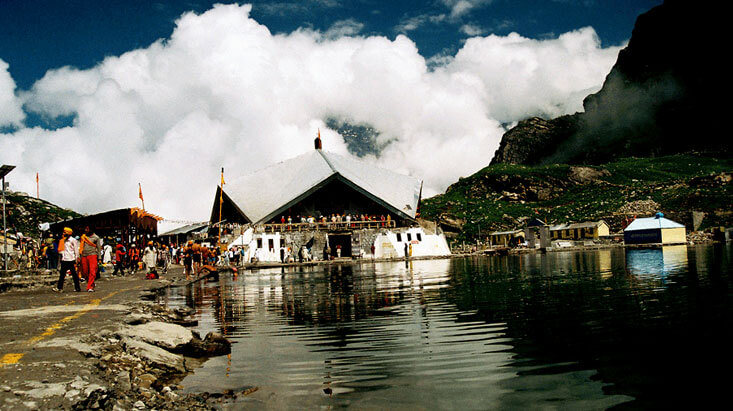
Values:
[(388, 245), (392, 244)]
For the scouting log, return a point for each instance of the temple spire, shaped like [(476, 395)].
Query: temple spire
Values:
[(317, 141)]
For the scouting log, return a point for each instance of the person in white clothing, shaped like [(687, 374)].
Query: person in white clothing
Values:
[(107, 254), (69, 252), (150, 257)]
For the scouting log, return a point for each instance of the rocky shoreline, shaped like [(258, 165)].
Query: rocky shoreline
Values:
[(136, 359), (144, 360)]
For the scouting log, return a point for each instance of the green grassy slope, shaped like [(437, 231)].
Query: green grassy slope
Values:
[(498, 197)]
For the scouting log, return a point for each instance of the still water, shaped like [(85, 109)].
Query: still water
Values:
[(581, 330)]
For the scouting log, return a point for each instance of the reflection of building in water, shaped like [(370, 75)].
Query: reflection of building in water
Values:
[(333, 206), (346, 293), (604, 263), (659, 262), (305, 295), (560, 263)]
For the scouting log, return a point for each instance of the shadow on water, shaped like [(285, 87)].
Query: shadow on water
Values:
[(597, 329)]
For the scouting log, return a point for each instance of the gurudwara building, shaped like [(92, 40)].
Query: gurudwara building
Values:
[(322, 205)]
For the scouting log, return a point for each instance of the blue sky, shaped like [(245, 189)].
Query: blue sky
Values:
[(166, 93), (38, 35)]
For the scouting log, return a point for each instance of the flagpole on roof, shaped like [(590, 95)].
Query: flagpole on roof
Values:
[(140, 194), (221, 200)]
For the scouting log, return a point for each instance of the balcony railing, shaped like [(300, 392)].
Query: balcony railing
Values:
[(327, 226)]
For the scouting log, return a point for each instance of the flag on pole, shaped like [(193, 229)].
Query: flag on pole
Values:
[(140, 194), (221, 200), (38, 189), (221, 190)]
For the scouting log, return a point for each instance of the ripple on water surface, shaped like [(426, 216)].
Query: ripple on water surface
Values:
[(496, 332)]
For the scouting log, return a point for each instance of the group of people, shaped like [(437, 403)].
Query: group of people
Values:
[(83, 258), (83, 253), (194, 255), (336, 218)]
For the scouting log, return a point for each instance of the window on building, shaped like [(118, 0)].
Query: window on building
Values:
[(409, 237), (282, 243), (399, 237), (259, 243), (419, 237), (271, 243)]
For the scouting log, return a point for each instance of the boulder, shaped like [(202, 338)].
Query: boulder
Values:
[(171, 337), (585, 175), (155, 356), (213, 344)]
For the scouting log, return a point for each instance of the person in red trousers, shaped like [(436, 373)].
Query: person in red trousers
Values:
[(90, 247)]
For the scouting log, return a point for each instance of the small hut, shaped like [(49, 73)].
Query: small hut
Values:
[(580, 231), (655, 230), (506, 238)]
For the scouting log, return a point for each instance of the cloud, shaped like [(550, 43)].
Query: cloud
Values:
[(460, 8), (413, 23), (457, 10), (223, 91), (298, 7), (342, 28), (548, 77), (11, 111), (472, 30)]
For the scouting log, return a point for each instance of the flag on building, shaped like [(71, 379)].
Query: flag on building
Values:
[(140, 194)]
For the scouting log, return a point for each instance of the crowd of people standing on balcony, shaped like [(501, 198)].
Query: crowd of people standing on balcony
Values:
[(346, 218)]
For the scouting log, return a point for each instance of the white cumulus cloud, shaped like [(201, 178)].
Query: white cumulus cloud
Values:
[(11, 112), (223, 91)]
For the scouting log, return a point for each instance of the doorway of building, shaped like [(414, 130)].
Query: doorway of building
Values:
[(340, 240)]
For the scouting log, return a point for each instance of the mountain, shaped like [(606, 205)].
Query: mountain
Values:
[(503, 196), (24, 213), (661, 97)]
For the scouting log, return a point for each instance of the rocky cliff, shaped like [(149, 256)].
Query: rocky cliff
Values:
[(24, 213), (530, 140), (658, 98)]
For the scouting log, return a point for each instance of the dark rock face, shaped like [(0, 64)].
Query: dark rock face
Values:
[(531, 139), (658, 99), (361, 139)]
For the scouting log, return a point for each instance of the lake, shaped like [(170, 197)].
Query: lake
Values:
[(626, 328)]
